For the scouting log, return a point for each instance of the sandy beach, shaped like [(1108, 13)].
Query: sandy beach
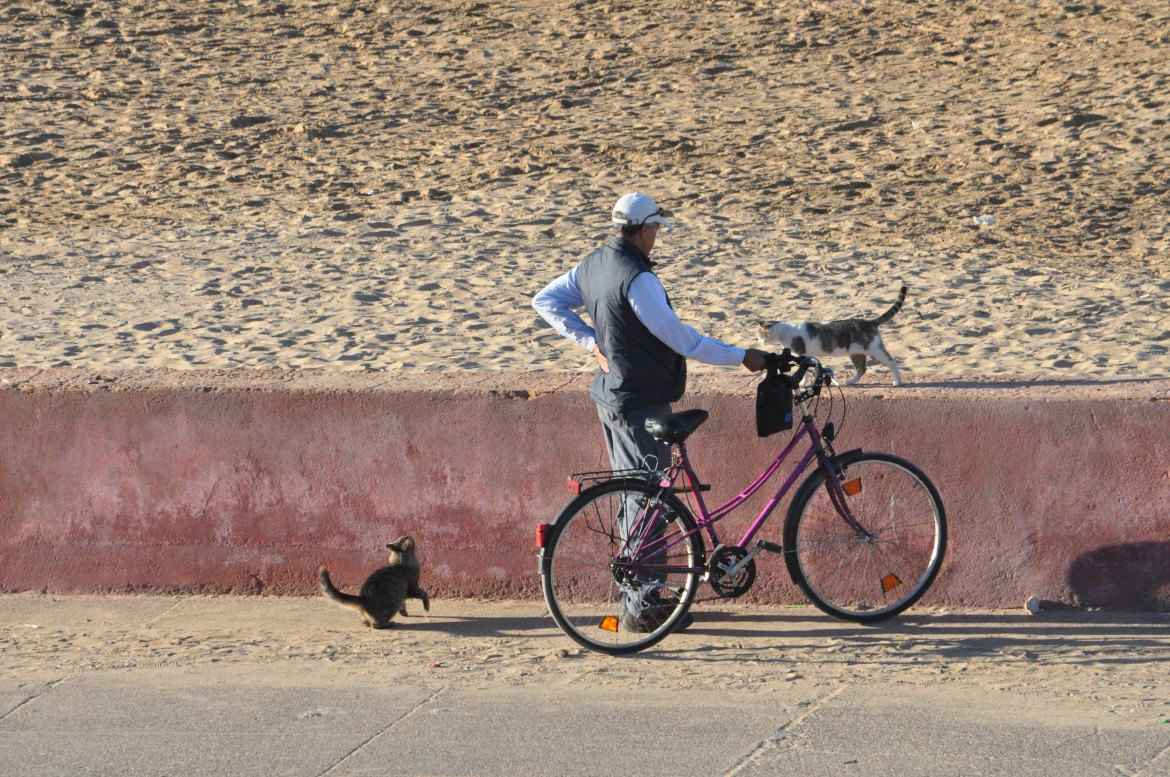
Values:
[(377, 186)]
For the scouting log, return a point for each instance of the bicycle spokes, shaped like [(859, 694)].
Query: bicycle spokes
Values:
[(621, 566), (869, 545)]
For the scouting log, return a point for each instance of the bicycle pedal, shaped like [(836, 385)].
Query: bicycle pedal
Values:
[(686, 489), (771, 547)]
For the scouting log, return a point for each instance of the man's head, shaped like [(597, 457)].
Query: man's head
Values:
[(637, 219)]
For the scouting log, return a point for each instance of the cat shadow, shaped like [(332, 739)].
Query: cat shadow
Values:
[(463, 626), (1135, 574), (1019, 384)]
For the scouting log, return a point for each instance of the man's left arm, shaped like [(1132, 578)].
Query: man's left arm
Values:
[(648, 299)]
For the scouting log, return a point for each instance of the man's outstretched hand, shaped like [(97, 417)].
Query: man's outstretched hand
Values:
[(754, 359)]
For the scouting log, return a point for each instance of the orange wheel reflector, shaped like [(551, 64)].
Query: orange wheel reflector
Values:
[(890, 582), (852, 487), (609, 623)]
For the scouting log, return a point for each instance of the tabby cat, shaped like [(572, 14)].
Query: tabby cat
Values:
[(857, 337), (385, 591)]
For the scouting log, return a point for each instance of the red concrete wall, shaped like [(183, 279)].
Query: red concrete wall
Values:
[(245, 483)]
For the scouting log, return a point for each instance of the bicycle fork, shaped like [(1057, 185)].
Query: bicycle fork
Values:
[(839, 490)]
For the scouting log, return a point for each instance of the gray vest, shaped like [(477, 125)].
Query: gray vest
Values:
[(643, 370)]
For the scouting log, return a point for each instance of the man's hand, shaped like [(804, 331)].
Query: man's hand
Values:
[(754, 359), (604, 362)]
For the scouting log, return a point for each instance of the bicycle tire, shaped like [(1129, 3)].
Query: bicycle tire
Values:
[(586, 585), (866, 578)]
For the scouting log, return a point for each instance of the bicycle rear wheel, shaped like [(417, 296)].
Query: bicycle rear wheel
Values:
[(615, 596), (886, 563)]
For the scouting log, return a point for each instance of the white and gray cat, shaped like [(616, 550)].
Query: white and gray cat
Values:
[(386, 590), (857, 337)]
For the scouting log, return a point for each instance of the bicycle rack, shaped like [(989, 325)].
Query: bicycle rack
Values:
[(577, 482)]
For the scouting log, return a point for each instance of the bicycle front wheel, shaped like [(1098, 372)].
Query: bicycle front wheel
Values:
[(882, 562), (621, 566)]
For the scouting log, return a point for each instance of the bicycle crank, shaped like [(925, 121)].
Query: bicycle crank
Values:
[(731, 571)]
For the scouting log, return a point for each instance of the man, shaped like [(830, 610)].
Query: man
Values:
[(640, 344)]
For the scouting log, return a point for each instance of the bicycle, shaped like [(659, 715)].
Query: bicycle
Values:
[(864, 535)]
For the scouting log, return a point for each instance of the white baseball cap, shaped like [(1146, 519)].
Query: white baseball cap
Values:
[(636, 209)]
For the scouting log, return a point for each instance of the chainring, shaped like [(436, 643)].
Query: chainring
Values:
[(722, 560)]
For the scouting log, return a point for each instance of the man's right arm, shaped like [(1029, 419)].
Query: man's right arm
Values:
[(558, 302)]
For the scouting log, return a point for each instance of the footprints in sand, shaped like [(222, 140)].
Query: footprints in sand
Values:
[(381, 186)]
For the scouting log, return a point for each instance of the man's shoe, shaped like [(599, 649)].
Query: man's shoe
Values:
[(656, 609), (642, 626)]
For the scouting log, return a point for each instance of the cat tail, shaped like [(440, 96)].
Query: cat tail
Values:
[(893, 311), (329, 590)]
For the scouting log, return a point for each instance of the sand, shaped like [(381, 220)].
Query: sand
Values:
[(383, 186)]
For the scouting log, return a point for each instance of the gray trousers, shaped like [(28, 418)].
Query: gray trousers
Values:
[(630, 446)]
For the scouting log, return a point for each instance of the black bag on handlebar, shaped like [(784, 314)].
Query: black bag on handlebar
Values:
[(773, 402)]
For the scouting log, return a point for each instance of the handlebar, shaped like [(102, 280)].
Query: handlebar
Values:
[(786, 360)]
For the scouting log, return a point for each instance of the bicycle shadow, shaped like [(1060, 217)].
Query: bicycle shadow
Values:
[(1059, 634)]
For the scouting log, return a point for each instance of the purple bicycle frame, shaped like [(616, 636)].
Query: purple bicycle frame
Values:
[(707, 519)]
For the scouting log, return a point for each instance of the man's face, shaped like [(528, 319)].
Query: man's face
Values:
[(649, 234)]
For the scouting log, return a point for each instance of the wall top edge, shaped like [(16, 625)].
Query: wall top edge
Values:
[(534, 384)]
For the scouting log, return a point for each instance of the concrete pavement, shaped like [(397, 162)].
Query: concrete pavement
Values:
[(154, 685)]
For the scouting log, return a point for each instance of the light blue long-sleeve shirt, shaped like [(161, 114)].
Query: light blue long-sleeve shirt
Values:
[(558, 303)]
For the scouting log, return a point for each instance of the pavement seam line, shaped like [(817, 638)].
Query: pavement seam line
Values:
[(48, 687), (388, 726), (1146, 769), (773, 742)]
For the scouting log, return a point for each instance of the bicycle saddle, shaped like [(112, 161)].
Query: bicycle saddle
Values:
[(675, 427)]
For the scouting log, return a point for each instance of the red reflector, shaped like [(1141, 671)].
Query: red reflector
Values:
[(573, 485), (541, 534)]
